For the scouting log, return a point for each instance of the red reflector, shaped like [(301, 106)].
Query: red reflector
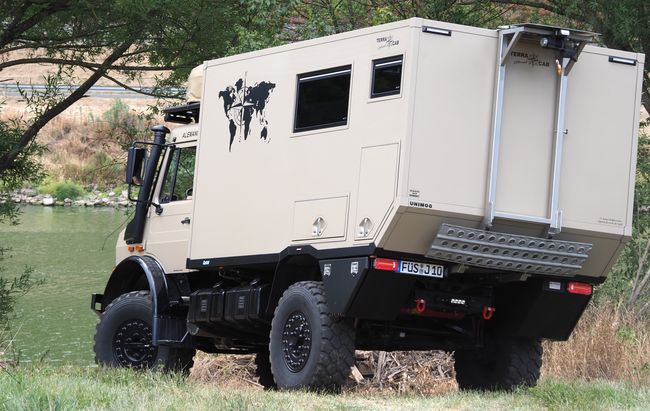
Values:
[(385, 264), (579, 288)]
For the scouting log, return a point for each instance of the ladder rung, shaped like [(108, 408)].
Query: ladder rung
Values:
[(522, 217)]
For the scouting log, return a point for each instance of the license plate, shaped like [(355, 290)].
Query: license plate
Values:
[(427, 270)]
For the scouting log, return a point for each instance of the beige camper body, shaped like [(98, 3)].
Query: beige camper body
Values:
[(403, 164)]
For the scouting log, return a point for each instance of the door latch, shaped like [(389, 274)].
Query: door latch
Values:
[(186, 220)]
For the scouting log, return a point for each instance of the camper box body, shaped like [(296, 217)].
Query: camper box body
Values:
[(401, 165)]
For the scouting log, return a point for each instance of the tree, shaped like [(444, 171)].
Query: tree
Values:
[(623, 24), (85, 41), (312, 18), (109, 37)]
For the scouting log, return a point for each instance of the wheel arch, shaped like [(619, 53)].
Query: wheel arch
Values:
[(290, 270), (136, 273)]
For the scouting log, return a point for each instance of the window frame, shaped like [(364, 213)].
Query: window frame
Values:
[(395, 60), (318, 75), (169, 162)]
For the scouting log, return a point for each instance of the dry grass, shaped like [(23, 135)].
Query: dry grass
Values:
[(379, 372), (605, 345), (83, 145)]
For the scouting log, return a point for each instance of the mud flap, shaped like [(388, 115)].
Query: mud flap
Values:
[(342, 278)]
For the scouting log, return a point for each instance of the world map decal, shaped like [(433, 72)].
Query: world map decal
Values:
[(242, 103)]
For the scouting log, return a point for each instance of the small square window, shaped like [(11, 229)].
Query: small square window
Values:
[(386, 76), (323, 99)]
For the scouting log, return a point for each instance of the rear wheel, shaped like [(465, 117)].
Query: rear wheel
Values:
[(124, 334), (504, 364), (310, 347)]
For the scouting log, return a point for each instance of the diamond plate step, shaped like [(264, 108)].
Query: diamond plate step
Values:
[(508, 252)]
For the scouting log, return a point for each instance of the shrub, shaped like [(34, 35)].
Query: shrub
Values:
[(62, 190)]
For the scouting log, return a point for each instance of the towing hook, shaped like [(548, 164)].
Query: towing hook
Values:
[(420, 305), (488, 312)]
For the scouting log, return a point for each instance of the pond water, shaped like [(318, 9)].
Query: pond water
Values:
[(72, 250)]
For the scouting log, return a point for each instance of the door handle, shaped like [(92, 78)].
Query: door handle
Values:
[(186, 220)]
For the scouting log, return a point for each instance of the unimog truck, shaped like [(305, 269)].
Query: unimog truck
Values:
[(416, 185)]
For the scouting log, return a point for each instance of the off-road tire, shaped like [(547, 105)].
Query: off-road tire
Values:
[(504, 364), (263, 370), (325, 359), (123, 337)]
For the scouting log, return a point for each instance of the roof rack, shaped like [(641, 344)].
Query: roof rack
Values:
[(185, 114)]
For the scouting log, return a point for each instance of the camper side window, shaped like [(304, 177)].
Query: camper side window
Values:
[(386, 77), (179, 177), (323, 99)]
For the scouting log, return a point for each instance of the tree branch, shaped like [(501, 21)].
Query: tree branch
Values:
[(127, 87), (84, 64), (17, 27), (7, 159)]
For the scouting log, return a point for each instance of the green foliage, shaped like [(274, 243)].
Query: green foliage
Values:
[(10, 290), (124, 125), (626, 333), (62, 189), (68, 189), (26, 167)]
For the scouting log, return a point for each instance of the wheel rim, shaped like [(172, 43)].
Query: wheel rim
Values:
[(296, 341), (132, 346)]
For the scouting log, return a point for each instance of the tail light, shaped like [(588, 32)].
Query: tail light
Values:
[(579, 288), (385, 264)]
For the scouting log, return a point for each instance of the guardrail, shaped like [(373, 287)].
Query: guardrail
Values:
[(95, 91)]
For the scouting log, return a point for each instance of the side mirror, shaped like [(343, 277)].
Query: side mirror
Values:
[(135, 165)]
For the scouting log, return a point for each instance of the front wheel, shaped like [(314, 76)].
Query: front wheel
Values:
[(310, 347), (504, 364), (124, 334)]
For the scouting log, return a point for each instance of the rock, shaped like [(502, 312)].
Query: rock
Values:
[(29, 192), (47, 201), (80, 203), (111, 194)]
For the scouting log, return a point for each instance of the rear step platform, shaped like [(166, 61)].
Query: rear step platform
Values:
[(508, 252)]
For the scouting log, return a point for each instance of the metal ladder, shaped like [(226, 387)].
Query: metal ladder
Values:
[(568, 45)]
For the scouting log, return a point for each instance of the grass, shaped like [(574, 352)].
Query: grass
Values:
[(117, 389), (608, 343)]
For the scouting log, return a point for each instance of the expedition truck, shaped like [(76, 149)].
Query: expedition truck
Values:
[(411, 186)]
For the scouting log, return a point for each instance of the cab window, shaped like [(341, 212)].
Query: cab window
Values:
[(179, 178)]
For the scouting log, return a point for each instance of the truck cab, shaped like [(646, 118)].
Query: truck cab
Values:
[(167, 231)]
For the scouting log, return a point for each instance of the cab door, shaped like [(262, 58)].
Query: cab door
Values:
[(168, 229)]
